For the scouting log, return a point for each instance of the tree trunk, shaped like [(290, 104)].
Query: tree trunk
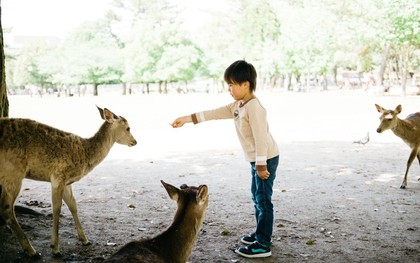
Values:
[(165, 87), (335, 69), (384, 61), (4, 101), (273, 81), (324, 82), (78, 90), (404, 70), (124, 88), (289, 81), (95, 89)]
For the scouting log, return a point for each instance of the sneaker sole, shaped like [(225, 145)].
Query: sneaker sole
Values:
[(246, 242), (259, 255)]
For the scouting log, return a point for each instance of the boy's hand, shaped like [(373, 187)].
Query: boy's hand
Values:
[(179, 122), (264, 174)]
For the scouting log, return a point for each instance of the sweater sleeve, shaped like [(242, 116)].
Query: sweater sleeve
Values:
[(259, 127), (225, 112)]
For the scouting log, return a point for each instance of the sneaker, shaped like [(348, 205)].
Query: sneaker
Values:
[(248, 239), (255, 250)]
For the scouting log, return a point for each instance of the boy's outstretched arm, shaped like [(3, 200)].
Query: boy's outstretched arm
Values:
[(179, 122)]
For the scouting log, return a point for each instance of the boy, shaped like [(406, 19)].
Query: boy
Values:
[(259, 147)]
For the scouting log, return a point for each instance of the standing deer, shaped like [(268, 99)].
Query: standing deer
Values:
[(175, 244), (408, 130), (33, 150)]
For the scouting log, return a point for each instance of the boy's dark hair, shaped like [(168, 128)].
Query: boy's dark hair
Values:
[(241, 71)]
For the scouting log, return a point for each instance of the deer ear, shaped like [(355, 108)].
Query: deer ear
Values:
[(379, 108), (173, 192), (202, 194), (109, 116), (101, 112), (398, 109)]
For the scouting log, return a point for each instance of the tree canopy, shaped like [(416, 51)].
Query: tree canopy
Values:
[(146, 42)]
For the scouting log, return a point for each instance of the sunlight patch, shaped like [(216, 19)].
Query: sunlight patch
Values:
[(344, 171), (385, 177)]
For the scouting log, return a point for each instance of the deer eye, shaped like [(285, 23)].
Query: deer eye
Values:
[(128, 129)]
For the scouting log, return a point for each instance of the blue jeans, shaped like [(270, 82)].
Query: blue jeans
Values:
[(262, 190)]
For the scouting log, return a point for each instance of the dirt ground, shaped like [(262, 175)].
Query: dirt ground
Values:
[(335, 201)]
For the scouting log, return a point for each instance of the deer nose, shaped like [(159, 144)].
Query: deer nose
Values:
[(378, 130), (133, 143)]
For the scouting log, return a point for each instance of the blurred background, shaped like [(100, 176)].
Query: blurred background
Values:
[(79, 47)]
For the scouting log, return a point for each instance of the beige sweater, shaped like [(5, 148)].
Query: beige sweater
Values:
[(251, 127)]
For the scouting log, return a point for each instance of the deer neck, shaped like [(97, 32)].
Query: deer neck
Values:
[(404, 130), (178, 240), (98, 146)]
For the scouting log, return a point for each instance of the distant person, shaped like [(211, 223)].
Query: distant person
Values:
[(260, 149)]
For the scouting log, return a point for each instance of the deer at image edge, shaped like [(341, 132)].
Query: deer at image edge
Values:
[(408, 130), (32, 150)]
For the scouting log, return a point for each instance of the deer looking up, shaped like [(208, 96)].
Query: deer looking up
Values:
[(32, 150), (175, 244), (408, 130)]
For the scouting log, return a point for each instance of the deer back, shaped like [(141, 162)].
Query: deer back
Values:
[(42, 151)]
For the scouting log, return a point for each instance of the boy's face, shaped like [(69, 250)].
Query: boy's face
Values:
[(239, 91)]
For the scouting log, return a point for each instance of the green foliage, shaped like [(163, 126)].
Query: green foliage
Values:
[(404, 22), (26, 67), (168, 55), (90, 55), (140, 41)]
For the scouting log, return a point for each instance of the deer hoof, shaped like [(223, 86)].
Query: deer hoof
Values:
[(37, 255), (57, 255), (87, 243), (403, 187)]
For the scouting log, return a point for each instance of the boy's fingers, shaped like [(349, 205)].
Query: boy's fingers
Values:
[(176, 124)]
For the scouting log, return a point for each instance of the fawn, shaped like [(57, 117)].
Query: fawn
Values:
[(32, 150), (175, 244), (408, 130)]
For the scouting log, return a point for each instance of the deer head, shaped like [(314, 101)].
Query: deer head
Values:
[(200, 193), (388, 118), (120, 128)]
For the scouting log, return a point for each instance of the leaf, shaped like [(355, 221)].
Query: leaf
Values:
[(225, 232), (310, 242)]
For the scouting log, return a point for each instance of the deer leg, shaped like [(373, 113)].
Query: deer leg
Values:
[(7, 200), (413, 155), (57, 201), (71, 203), (418, 158)]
